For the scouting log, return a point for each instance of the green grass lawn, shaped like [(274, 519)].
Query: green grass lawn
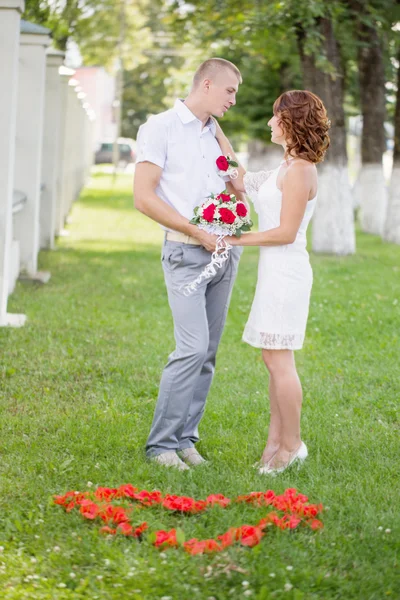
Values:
[(78, 388)]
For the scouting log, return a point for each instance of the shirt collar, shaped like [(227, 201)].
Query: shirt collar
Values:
[(186, 115)]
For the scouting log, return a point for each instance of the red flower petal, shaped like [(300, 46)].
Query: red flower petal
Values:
[(241, 209), (208, 213), (227, 216), (106, 529), (222, 163)]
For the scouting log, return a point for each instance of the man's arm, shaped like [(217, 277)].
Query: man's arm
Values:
[(146, 180)]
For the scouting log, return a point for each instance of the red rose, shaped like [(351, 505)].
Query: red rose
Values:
[(120, 515), (148, 498), (293, 522), (241, 209), (127, 490), (224, 197), (181, 503), (89, 509), (107, 513), (106, 493), (316, 524), (208, 213), (194, 546), (227, 538), (125, 529), (139, 530), (165, 538), (222, 163), (217, 499), (249, 536), (227, 216), (211, 546)]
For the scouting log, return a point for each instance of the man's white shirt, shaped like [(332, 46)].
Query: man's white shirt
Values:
[(176, 141)]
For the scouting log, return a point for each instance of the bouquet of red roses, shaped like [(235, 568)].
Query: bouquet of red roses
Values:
[(221, 215)]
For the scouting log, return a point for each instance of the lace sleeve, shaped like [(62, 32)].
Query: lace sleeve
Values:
[(253, 181)]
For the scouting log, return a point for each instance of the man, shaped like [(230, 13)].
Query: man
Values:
[(176, 171)]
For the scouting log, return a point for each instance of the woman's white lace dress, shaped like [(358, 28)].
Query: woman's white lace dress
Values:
[(278, 316)]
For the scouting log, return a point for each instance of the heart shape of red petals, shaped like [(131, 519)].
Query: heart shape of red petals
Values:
[(293, 506)]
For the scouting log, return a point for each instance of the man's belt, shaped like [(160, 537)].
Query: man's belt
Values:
[(176, 236)]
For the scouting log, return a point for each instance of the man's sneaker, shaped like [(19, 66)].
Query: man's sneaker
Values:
[(170, 459), (192, 457)]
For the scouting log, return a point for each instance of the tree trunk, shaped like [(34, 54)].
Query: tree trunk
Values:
[(370, 188), (262, 156), (392, 223), (333, 222)]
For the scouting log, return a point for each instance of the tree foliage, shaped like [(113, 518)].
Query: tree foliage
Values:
[(267, 33), (164, 41), (102, 29)]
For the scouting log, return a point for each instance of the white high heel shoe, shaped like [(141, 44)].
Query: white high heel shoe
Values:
[(260, 464), (300, 455)]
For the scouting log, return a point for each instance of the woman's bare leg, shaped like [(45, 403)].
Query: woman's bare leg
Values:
[(274, 431), (287, 397)]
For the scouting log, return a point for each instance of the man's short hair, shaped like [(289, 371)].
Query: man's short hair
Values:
[(211, 67)]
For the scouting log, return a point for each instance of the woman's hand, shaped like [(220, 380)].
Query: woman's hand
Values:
[(219, 134), (232, 240)]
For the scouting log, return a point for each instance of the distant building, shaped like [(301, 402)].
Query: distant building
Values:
[(99, 87)]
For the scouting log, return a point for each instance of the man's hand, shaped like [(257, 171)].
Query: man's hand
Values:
[(206, 239)]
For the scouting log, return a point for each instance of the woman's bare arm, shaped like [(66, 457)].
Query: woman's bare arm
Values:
[(296, 187)]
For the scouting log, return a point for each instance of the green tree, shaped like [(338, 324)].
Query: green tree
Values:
[(61, 17), (95, 26), (145, 92)]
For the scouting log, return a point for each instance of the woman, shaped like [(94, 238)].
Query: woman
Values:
[(284, 199)]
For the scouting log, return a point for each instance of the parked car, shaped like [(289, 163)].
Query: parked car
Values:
[(127, 154)]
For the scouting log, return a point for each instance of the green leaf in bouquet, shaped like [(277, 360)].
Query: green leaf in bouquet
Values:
[(245, 227), (238, 232), (233, 163), (194, 220)]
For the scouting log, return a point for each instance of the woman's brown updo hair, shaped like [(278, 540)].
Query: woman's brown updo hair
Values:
[(302, 116)]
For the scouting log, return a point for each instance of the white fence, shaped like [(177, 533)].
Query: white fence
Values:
[(45, 150)]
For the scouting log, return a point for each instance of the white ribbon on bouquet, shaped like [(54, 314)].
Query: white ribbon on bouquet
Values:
[(218, 257), (231, 172)]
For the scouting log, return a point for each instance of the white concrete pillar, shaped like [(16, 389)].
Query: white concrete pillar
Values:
[(82, 131), (68, 154), (29, 139), (88, 155), (65, 76), (10, 15), (74, 141), (51, 148)]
